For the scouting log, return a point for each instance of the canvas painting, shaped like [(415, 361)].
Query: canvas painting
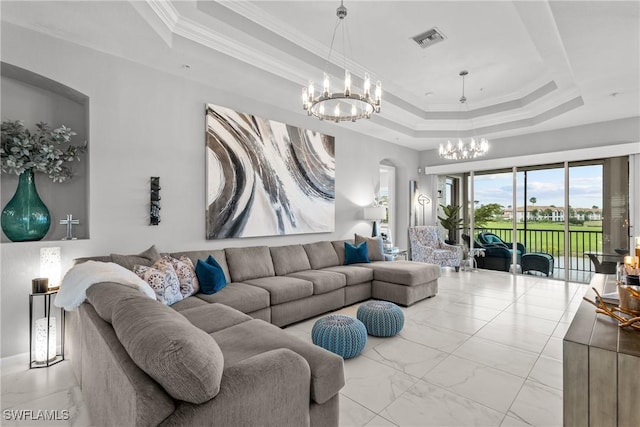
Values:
[(266, 178)]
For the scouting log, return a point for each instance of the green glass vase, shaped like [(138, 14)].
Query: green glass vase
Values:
[(25, 218)]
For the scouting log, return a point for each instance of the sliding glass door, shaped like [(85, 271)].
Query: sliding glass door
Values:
[(576, 213)]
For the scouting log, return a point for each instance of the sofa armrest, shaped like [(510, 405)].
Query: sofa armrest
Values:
[(519, 246), (271, 388), (452, 248), (448, 247)]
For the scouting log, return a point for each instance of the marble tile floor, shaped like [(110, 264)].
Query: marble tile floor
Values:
[(487, 351)]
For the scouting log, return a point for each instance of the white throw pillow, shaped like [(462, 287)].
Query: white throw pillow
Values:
[(186, 273)]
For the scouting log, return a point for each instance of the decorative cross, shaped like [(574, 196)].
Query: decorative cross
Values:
[(69, 222)]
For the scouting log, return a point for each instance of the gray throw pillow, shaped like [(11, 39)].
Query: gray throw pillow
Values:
[(146, 258), (375, 246)]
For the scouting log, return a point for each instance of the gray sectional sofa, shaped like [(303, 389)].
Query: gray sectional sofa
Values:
[(222, 359)]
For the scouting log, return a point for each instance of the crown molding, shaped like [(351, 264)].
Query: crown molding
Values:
[(542, 100)]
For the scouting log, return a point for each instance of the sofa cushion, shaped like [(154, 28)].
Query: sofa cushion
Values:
[(375, 250), (289, 259), (218, 254), (214, 317), (321, 255), (105, 296), (404, 272), (249, 263), (338, 246), (240, 296), (354, 274), (189, 284), (189, 302), (283, 289), (210, 275), (255, 337), (323, 281), (145, 258), (183, 359), (354, 254), (163, 280)]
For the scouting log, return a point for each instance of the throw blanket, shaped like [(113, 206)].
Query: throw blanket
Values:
[(73, 290)]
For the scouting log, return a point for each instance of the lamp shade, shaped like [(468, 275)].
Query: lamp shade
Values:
[(50, 265), (374, 213)]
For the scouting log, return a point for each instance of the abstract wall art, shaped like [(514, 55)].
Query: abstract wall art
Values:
[(266, 178)]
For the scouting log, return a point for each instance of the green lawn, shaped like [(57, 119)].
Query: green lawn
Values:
[(548, 237)]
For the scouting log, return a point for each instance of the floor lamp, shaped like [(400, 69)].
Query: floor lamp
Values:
[(375, 214), (423, 200)]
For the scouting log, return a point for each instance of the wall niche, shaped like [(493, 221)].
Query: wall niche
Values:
[(33, 98)]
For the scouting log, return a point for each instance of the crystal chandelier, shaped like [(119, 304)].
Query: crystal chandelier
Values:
[(464, 149), (344, 105)]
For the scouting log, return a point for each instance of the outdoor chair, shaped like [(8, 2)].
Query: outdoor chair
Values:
[(487, 238), (498, 253)]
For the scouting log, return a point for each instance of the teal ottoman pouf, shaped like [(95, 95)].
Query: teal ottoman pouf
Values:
[(381, 318), (342, 335)]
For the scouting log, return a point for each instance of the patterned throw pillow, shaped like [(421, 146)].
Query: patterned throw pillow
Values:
[(186, 275), (163, 280)]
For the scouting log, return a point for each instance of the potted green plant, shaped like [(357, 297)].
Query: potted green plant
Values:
[(451, 222), (23, 153)]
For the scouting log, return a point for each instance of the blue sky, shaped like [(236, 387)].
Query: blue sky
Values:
[(547, 186)]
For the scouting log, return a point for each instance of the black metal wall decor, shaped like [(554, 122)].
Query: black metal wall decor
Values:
[(154, 213)]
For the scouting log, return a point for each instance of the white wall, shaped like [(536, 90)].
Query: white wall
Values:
[(145, 122)]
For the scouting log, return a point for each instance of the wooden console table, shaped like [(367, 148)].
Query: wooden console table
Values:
[(601, 367)]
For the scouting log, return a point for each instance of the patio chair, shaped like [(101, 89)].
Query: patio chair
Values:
[(604, 267), (487, 238), (498, 253), (428, 246)]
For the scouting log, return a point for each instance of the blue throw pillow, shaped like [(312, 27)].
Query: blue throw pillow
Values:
[(210, 275), (354, 254)]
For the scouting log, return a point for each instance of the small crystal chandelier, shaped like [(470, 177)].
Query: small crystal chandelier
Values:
[(464, 149), (345, 105)]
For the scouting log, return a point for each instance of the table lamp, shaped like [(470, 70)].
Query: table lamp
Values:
[(375, 214), (50, 266)]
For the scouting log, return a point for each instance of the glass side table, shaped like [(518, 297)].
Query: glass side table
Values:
[(43, 334), (396, 253), (470, 263)]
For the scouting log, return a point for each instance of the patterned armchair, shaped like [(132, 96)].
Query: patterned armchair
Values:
[(427, 246)]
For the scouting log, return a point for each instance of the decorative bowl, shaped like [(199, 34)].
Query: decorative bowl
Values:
[(629, 299)]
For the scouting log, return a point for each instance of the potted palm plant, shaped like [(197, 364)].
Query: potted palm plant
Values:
[(451, 222)]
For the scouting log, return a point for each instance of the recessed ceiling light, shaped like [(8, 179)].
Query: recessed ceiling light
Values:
[(429, 94), (186, 66), (614, 94)]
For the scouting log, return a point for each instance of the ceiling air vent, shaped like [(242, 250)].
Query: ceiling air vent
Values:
[(429, 38)]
